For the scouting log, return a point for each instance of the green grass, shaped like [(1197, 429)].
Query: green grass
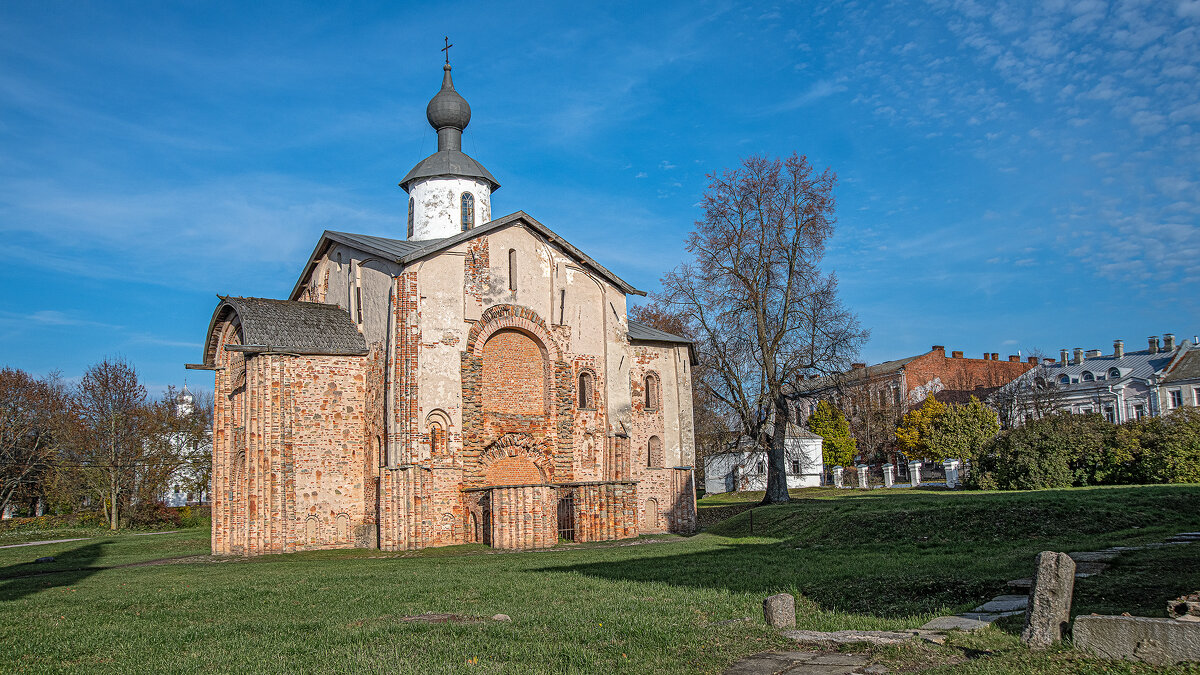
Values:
[(855, 560)]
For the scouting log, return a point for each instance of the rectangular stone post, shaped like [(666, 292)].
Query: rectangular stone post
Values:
[(1049, 610), (914, 473), (838, 480), (862, 475), (951, 467), (889, 475)]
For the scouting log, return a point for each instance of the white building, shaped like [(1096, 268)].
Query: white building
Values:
[(1121, 386), (180, 488), (744, 467)]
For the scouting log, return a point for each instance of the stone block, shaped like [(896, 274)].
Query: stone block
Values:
[(1185, 608), (780, 610), (1159, 642), (945, 623), (1049, 599)]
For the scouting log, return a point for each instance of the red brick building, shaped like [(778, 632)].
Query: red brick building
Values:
[(477, 381), (875, 397)]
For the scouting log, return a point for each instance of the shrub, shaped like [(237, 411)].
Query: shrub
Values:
[(153, 514)]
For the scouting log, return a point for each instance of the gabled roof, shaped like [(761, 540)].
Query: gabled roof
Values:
[(1141, 365), (287, 326), (404, 252), (1185, 367), (854, 375)]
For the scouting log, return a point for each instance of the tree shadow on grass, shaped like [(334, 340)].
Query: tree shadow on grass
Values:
[(879, 585), (69, 567)]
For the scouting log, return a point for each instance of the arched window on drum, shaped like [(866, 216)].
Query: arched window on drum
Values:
[(468, 211)]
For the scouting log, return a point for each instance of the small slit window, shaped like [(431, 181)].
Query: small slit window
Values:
[(468, 211), (411, 204), (512, 269), (654, 456), (652, 393), (586, 391), (437, 439)]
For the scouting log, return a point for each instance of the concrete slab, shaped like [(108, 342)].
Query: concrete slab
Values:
[(47, 541), (1093, 556), (943, 623), (809, 663), (990, 616), (846, 637), (1004, 603), (1022, 584)]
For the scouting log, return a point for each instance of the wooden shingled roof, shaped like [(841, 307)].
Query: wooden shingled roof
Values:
[(287, 326)]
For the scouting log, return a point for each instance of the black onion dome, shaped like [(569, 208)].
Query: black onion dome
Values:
[(448, 108)]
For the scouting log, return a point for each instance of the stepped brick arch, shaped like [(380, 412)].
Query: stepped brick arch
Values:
[(516, 459), (523, 319)]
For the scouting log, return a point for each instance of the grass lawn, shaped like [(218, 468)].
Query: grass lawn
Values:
[(854, 559)]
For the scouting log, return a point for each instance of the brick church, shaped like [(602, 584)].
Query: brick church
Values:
[(477, 381)]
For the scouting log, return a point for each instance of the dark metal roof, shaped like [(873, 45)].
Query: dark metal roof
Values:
[(641, 331), (287, 326), (404, 252), (451, 163)]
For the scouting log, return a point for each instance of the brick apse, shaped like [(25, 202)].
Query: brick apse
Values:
[(415, 394)]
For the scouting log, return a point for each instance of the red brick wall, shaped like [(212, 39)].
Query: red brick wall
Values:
[(513, 471), (514, 374), (960, 378)]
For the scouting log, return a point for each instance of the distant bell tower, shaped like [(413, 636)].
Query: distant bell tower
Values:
[(449, 192)]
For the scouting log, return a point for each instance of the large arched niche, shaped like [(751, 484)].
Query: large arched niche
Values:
[(515, 374)]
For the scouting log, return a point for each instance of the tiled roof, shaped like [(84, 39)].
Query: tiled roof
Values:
[(288, 326)]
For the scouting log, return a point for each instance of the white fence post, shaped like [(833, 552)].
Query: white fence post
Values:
[(889, 475), (914, 473), (862, 475), (837, 477)]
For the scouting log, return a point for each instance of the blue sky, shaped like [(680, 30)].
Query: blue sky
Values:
[(1011, 175)]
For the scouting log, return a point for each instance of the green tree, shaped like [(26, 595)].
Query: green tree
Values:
[(916, 428), (837, 448), (961, 431)]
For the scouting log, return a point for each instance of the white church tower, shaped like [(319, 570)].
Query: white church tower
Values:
[(448, 191)]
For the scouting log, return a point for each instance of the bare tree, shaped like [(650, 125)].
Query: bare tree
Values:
[(761, 311), (120, 440), (1033, 395), (30, 424)]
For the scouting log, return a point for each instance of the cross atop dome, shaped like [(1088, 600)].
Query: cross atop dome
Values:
[(449, 191)]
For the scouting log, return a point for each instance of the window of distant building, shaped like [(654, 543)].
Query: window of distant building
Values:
[(1176, 398), (1196, 396), (468, 211), (1139, 411), (512, 269), (1110, 414), (1087, 376), (1114, 374), (1063, 379), (411, 203), (762, 468), (795, 467)]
